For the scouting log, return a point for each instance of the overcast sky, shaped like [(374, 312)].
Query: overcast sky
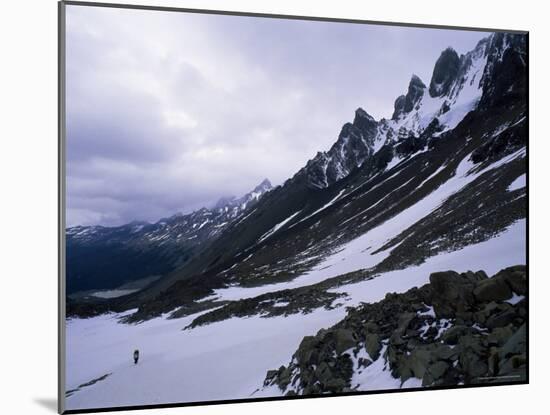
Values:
[(167, 112)]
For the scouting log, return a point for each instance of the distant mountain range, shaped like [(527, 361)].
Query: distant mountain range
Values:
[(100, 257)]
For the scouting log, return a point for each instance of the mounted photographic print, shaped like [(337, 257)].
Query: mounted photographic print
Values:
[(261, 207)]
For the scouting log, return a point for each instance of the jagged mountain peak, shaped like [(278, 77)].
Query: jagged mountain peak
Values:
[(224, 201), (457, 85), (505, 73), (361, 113), (364, 121), (416, 81), (354, 145), (406, 103), (445, 72), (242, 203), (264, 185), (258, 191)]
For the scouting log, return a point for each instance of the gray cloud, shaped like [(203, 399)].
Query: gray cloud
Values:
[(167, 112)]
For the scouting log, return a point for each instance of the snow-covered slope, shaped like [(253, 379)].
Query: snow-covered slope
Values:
[(229, 359)]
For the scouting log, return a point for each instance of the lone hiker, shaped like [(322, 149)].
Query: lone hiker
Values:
[(136, 356)]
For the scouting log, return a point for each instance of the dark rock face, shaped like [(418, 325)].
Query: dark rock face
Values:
[(353, 147), (373, 345), (365, 123), (503, 142), (452, 292), (406, 103), (344, 339), (445, 73), (398, 106), (410, 143), (494, 289), (458, 329), (504, 90), (516, 278), (505, 75), (300, 300)]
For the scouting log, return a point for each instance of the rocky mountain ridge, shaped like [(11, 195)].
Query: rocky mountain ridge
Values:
[(456, 88), (459, 329)]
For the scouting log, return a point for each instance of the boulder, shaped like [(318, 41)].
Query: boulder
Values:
[(307, 352), (452, 335), (270, 377), (434, 373), (493, 362), (452, 292), (392, 355), (344, 340), (370, 327), (444, 352), (516, 278), (335, 384), (510, 366), (402, 370), (344, 367), (499, 336), (473, 365), (312, 389), (323, 372), (492, 289), (463, 317), (373, 345), (284, 374), (471, 344), (516, 344), (403, 322), (475, 277), (501, 319), (418, 362), (471, 357), (490, 309)]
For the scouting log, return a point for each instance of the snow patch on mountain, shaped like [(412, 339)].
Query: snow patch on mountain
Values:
[(326, 205), (492, 255), (518, 183), (277, 227), (377, 376)]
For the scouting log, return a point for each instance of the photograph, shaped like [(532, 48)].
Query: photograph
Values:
[(259, 207)]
